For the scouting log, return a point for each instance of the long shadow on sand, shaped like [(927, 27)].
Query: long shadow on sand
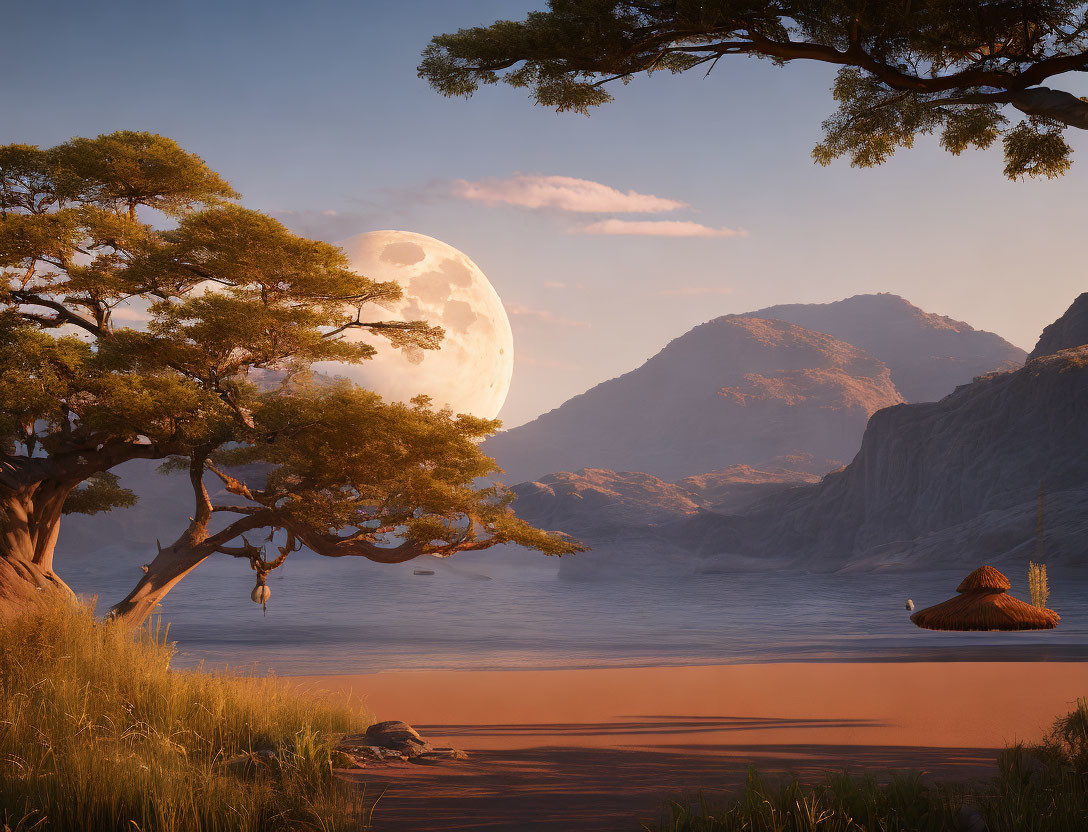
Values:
[(560, 785), (637, 725)]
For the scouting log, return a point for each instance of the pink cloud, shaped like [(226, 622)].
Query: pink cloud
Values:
[(659, 228), (564, 193), (555, 284), (520, 310)]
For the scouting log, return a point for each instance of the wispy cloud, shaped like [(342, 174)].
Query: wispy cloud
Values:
[(658, 228), (557, 284), (694, 291), (520, 310), (564, 193)]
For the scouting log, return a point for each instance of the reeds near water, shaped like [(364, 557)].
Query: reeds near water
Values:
[(98, 734), (1038, 584)]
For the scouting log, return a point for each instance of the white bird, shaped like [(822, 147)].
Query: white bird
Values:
[(910, 604)]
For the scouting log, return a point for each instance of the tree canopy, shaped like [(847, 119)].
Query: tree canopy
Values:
[(144, 314), (958, 68)]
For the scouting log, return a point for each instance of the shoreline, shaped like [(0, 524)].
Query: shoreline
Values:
[(616, 743), (956, 654), (981, 704), (952, 654)]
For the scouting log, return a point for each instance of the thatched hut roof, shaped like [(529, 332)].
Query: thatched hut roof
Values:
[(984, 604), (985, 578)]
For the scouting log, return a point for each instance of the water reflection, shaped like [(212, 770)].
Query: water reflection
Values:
[(329, 616)]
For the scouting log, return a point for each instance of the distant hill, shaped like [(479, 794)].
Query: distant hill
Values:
[(598, 504), (735, 390), (1070, 330), (928, 355), (626, 516), (730, 393), (947, 483), (952, 482)]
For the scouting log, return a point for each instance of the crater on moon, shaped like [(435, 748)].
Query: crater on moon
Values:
[(471, 371), (403, 254), (460, 315)]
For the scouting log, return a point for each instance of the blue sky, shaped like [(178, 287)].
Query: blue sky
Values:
[(314, 113)]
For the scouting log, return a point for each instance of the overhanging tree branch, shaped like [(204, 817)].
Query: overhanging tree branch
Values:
[(997, 55), (64, 314)]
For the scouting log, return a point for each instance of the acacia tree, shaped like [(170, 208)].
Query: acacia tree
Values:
[(233, 311), (907, 67)]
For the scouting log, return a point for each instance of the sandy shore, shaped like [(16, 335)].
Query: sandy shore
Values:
[(601, 749)]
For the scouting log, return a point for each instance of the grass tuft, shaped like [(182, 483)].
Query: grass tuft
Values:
[(1041, 788), (97, 733)]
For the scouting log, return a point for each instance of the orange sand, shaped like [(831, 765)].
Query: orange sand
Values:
[(600, 749)]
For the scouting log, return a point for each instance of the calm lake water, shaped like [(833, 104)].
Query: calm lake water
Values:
[(479, 611)]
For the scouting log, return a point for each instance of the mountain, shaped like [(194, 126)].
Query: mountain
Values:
[(622, 514), (600, 503), (731, 393), (1070, 330), (948, 482), (735, 390), (928, 355)]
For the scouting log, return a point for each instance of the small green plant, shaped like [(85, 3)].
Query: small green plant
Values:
[(97, 733), (1038, 584)]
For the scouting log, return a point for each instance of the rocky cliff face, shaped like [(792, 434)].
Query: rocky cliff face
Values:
[(604, 504), (626, 516), (1070, 330), (948, 481), (928, 355), (735, 390)]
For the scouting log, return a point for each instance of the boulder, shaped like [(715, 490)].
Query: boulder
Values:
[(342, 759), (394, 740), (397, 736)]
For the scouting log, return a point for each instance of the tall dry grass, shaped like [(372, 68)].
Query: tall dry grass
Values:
[(97, 733), (1038, 584)]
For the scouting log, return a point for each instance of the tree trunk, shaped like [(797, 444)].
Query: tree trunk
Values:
[(23, 584), (169, 566), (175, 561), (32, 494), (29, 524), (182, 556)]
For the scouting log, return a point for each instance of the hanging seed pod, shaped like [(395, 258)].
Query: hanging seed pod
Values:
[(260, 594)]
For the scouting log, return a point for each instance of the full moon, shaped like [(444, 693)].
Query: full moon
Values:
[(470, 371)]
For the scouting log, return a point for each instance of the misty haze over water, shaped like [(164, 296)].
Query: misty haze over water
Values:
[(353, 616)]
